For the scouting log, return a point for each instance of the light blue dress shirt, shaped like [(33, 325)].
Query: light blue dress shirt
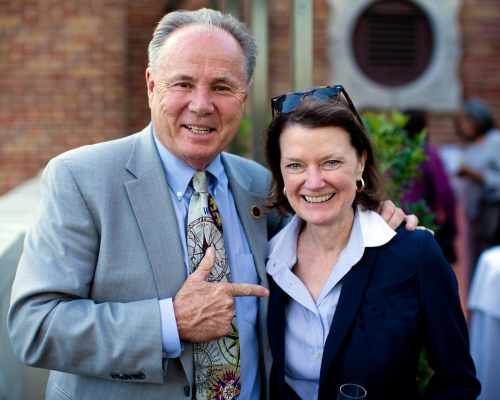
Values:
[(304, 348), (241, 264)]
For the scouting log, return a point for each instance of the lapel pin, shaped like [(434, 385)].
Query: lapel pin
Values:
[(255, 211)]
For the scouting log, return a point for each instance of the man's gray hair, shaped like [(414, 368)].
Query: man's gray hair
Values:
[(211, 18)]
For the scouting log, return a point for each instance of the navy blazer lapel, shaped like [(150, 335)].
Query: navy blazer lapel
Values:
[(276, 330), (155, 215), (353, 289)]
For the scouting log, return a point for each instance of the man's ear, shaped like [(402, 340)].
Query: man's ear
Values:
[(245, 99), (150, 83)]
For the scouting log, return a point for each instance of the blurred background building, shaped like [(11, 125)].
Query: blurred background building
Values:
[(72, 71)]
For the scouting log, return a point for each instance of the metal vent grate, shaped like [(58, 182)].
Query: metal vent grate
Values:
[(392, 42)]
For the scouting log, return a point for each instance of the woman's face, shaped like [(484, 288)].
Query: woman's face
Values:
[(467, 126), (320, 168)]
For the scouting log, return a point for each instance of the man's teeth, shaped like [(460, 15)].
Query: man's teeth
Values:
[(318, 199), (197, 129)]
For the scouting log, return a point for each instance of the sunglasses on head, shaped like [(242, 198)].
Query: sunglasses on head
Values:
[(286, 103)]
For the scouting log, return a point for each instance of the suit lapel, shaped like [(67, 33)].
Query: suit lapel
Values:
[(353, 288), (241, 188), (155, 215), (241, 185), (276, 327), (153, 209)]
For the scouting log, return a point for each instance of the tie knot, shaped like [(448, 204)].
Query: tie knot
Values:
[(200, 182)]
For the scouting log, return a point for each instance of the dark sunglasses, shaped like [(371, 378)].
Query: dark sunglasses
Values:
[(286, 103)]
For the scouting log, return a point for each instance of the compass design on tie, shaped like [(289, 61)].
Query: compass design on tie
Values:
[(201, 234), (230, 345), (205, 354)]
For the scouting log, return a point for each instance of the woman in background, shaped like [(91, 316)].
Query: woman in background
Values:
[(433, 186), (351, 300), (480, 172)]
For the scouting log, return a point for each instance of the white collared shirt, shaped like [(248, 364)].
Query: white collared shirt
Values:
[(304, 352)]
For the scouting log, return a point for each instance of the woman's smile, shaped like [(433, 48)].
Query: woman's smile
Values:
[(318, 199)]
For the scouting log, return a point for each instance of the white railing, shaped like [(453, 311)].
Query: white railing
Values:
[(17, 210)]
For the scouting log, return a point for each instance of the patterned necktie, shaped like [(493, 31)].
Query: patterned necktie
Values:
[(217, 363)]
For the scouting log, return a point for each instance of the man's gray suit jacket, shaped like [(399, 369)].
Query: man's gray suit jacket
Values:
[(104, 248)]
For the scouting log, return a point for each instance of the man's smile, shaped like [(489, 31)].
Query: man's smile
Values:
[(198, 129)]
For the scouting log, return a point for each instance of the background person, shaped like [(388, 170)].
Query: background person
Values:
[(351, 300), (479, 189), (433, 186), (103, 294)]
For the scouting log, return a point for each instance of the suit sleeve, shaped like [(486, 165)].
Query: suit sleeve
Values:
[(53, 321), (445, 329)]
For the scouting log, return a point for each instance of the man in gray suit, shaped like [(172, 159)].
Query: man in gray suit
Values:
[(102, 294)]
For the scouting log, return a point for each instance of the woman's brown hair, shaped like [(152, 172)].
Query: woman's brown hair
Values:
[(319, 114)]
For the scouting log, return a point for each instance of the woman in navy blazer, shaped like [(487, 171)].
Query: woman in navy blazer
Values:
[(352, 301)]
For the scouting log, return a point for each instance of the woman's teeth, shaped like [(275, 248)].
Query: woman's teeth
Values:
[(318, 199)]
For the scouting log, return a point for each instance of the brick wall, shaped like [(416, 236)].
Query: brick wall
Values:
[(62, 75), (481, 61), (280, 50), (480, 67), (72, 71), (142, 19)]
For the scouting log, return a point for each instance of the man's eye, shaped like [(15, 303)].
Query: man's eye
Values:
[(221, 89)]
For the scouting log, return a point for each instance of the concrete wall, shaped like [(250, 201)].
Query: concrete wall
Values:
[(17, 382), (17, 210)]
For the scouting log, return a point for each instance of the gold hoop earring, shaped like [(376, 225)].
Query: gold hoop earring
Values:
[(284, 191), (360, 189)]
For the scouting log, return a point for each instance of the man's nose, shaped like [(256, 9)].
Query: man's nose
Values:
[(201, 102)]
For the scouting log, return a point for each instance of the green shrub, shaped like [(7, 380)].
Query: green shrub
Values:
[(399, 156)]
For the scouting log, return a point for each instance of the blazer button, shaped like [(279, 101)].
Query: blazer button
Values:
[(187, 391), (124, 377), (114, 376), (141, 376)]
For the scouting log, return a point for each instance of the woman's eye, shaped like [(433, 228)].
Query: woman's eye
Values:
[(332, 162), (294, 165)]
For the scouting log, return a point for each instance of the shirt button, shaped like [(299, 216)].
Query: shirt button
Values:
[(315, 354), (290, 284), (179, 194)]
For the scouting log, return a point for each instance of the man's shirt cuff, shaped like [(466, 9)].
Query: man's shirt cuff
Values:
[(171, 343)]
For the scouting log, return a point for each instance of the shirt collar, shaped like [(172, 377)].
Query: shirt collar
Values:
[(179, 174), (374, 232)]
